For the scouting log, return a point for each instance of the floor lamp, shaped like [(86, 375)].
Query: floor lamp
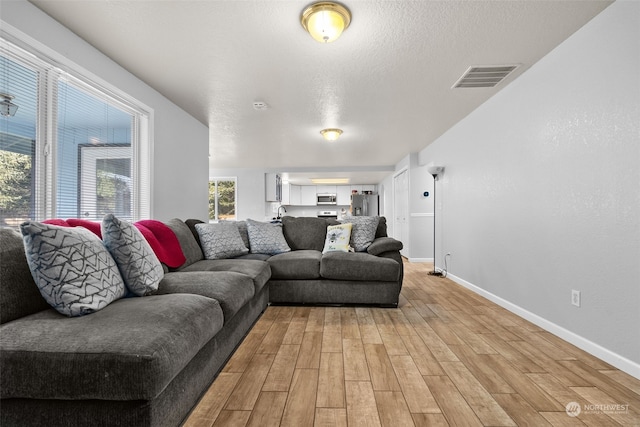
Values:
[(435, 171)]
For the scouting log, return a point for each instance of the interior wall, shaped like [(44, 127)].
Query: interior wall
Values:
[(541, 191), (180, 150)]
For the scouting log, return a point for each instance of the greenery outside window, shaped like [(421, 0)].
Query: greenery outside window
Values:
[(222, 199)]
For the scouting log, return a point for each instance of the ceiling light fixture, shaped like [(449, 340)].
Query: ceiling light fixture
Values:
[(331, 134), (329, 180), (7, 108), (325, 20)]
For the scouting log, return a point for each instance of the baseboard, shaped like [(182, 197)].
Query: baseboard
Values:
[(420, 259), (620, 362)]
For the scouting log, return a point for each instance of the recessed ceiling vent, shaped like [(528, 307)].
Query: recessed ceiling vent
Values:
[(484, 76)]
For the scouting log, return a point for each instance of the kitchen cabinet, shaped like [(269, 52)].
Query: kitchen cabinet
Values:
[(295, 195), (326, 189), (358, 188), (369, 187), (308, 195), (286, 194), (273, 187), (343, 193)]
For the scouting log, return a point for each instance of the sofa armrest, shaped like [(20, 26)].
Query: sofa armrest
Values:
[(384, 244)]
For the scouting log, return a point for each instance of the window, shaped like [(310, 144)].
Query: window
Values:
[(222, 199), (73, 149)]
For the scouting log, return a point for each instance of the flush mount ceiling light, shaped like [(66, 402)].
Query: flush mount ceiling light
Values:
[(331, 134), (7, 108), (326, 20), (329, 180)]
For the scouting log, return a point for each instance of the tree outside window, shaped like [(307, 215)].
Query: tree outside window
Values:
[(222, 199)]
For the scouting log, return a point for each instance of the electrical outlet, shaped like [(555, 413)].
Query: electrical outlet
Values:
[(575, 298)]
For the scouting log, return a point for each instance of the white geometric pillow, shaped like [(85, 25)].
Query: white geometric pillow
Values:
[(266, 238), (337, 239), (221, 240), (138, 264), (363, 232), (73, 270)]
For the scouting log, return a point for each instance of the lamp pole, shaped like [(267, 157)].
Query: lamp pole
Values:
[(434, 272)]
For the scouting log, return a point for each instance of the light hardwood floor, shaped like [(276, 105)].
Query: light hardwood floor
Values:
[(446, 356)]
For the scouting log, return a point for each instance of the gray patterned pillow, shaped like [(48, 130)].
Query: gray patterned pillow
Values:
[(73, 270), (266, 238), (139, 266), (363, 232), (221, 240)]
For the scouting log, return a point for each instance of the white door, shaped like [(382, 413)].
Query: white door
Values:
[(401, 210)]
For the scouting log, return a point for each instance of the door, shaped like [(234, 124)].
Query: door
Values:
[(401, 209)]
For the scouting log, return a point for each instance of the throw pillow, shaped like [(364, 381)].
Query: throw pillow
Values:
[(221, 240), (73, 270), (266, 238), (363, 232), (139, 266), (338, 237)]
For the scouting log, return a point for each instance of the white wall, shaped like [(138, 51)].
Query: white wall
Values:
[(180, 162), (541, 192)]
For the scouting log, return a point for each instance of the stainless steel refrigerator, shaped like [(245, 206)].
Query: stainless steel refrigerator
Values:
[(364, 205)]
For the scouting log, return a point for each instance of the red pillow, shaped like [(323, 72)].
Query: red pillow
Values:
[(89, 225), (56, 221), (163, 241)]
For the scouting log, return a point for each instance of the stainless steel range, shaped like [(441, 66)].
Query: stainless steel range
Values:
[(328, 214)]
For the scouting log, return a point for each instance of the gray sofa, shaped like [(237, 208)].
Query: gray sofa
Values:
[(145, 361)]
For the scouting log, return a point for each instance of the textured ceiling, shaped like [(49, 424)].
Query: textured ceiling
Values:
[(386, 82)]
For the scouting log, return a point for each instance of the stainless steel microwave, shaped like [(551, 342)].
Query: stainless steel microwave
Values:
[(326, 199)]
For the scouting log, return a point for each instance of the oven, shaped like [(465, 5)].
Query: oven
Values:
[(328, 214)]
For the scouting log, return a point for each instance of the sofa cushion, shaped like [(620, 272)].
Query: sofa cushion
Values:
[(258, 271), (266, 238), (381, 231), (338, 237), (363, 232), (304, 232), (232, 290), (221, 240), (303, 264), (19, 295), (131, 350), (384, 244), (138, 264), (72, 269), (358, 266), (190, 246)]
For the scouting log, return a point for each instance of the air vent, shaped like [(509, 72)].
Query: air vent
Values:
[(484, 76)]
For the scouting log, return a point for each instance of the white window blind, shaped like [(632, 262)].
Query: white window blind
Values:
[(85, 151)]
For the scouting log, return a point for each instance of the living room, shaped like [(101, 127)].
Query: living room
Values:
[(539, 196)]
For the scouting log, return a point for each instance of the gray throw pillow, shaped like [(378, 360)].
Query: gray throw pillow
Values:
[(363, 232), (73, 270), (221, 240), (139, 266), (266, 238)]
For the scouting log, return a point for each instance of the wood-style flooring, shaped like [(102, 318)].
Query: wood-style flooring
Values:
[(446, 356)]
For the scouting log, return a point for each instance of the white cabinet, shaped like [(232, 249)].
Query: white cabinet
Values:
[(326, 189), (343, 193), (308, 195), (369, 187), (273, 187), (286, 194), (295, 195)]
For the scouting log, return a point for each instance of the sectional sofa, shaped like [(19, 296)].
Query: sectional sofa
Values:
[(146, 360)]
